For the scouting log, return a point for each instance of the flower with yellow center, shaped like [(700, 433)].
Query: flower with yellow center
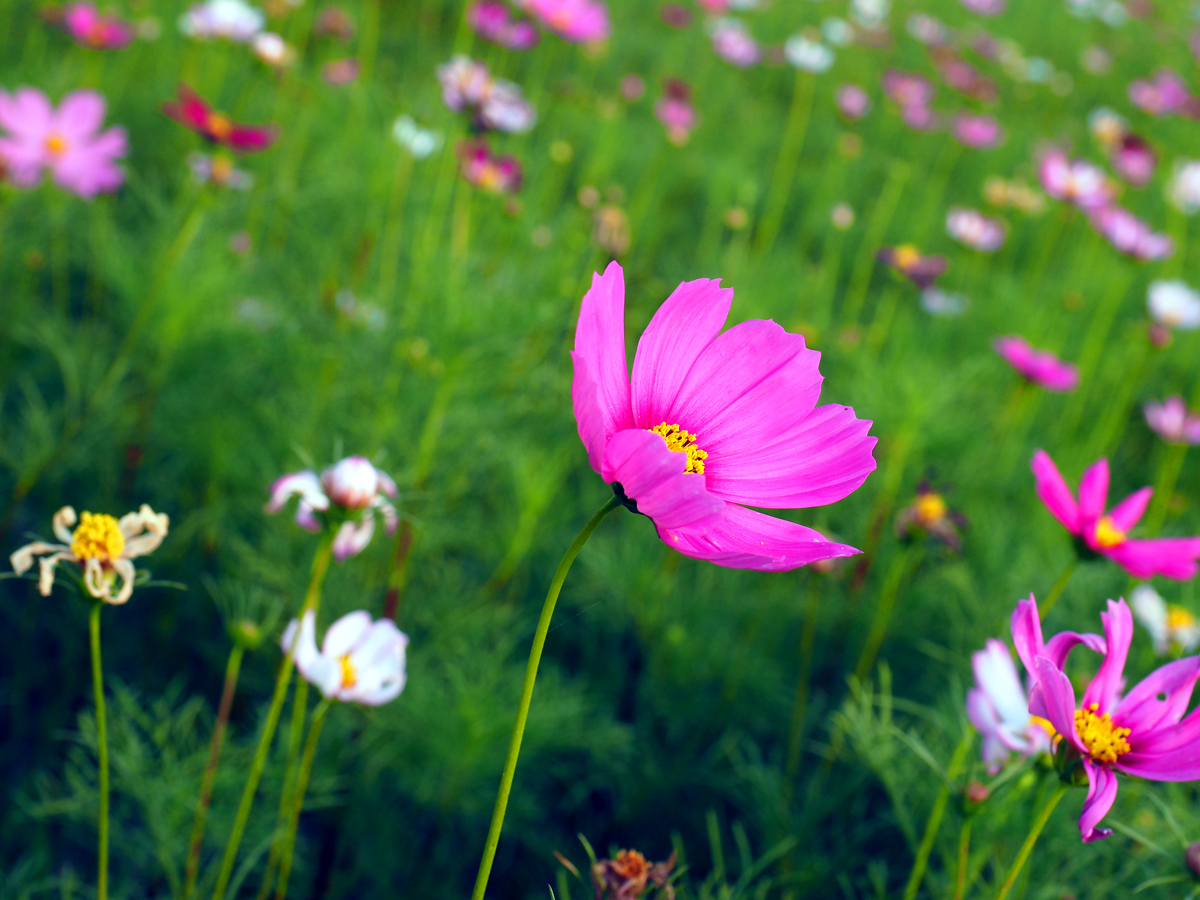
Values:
[(219, 126), (1108, 534), (101, 546), (56, 144), (1104, 741), (680, 441), (906, 256), (929, 509)]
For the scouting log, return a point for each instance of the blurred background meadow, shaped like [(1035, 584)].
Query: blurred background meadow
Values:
[(376, 281)]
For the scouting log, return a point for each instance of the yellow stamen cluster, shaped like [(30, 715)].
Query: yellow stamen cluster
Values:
[(906, 256), (930, 509), (56, 144), (1108, 534), (1104, 741), (98, 536), (349, 673), (1178, 618), (680, 441), (219, 126)]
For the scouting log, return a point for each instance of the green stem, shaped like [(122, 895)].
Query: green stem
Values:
[(1058, 588), (295, 737), (785, 166), (101, 753), (311, 599), (310, 749), (964, 848), (864, 262), (535, 657), (808, 639), (1035, 829), (935, 818), (1164, 487), (232, 668), (883, 612)]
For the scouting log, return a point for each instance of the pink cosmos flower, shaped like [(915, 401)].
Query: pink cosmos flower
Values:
[(711, 421), (360, 661), (733, 43), (976, 131), (495, 104), (193, 112), (676, 112), (1143, 732), (578, 21), (1040, 367), (67, 141), (1163, 95), (487, 171), (914, 265), (347, 496), (492, 21), (913, 94), (985, 7), (340, 72), (1076, 181), (1130, 235), (1172, 421), (977, 231), (91, 29), (962, 76), (1134, 160), (852, 101), (1107, 533), (999, 710)]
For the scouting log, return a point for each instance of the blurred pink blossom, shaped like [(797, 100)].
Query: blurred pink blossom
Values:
[(1075, 181), (578, 21), (1039, 366), (1172, 421), (675, 111), (977, 231), (1129, 234), (913, 94), (91, 29), (1134, 160), (493, 22), (852, 101), (67, 141), (985, 7), (978, 131), (733, 43), (486, 170), (341, 72), (1163, 94)]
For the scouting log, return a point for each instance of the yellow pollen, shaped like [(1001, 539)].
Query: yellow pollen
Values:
[(56, 144), (930, 509), (1178, 617), (219, 126), (98, 536), (680, 441), (1107, 534), (1044, 725), (1104, 741), (906, 256), (349, 673)]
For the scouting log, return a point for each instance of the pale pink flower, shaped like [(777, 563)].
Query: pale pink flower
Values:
[(852, 101), (360, 661), (493, 21), (985, 7), (733, 43), (1134, 160), (976, 131), (1130, 235), (1075, 181), (1040, 367), (977, 231), (1163, 95), (67, 141), (1172, 421), (675, 111)]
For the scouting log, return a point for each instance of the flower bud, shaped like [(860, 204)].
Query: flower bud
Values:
[(976, 792), (352, 483)]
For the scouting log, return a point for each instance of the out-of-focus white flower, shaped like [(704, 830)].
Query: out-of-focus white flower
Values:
[(420, 142), (218, 170), (999, 710), (233, 20), (1174, 304), (101, 545), (870, 13), (926, 29), (1183, 190), (360, 661), (273, 50), (937, 302), (977, 231), (350, 486), (1170, 626), (812, 56), (837, 31)]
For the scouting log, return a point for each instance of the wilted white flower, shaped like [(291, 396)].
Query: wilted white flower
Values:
[(101, 545), (421, 142), (812, 56), (1169, 625), (360, 661), (233, 20), (1174, 303)]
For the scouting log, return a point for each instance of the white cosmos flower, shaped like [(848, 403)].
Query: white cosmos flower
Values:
[(233, 20), (360, 661), (999, 710), (1184, 188), (1169, 625), (420, 142), (812, 56), (1174, 303)]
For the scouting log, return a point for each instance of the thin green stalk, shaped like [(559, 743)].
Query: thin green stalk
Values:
[(295, 738), (535, 657), (808, 639), (1058, 588), (232, 668), (1164, 487), (1035, 829), (887, 602), (864, 262), (101, 753), (935, 818), (311, 600), (964, 849), (310, 749), (785, 167)]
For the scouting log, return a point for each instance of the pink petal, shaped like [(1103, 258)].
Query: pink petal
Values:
[(749, 387), (1106, 687), (1027, 633), (1170, 557), (1102, 791), (1057, 701), (1168, 754), (745, 539), (1053, 491), (589, 415), (80, 115), (1142, 711), (1093, 491), (825, 457), (27, 113), (305, 483), (352, 537), (600, 340), (654, 477), (689, 320), (1129, 511)]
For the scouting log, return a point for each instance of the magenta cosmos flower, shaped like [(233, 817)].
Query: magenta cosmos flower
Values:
[(710, 421), (578, 21), (193, 112), (1039, 366), (1173, 421), (1162, 95), (91, 29), (493, 22), (1076, 181), (1106, 534), (676, 112), (487, 171), (979, 132), (67, 141), (1134, 160), (1143, 732)]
